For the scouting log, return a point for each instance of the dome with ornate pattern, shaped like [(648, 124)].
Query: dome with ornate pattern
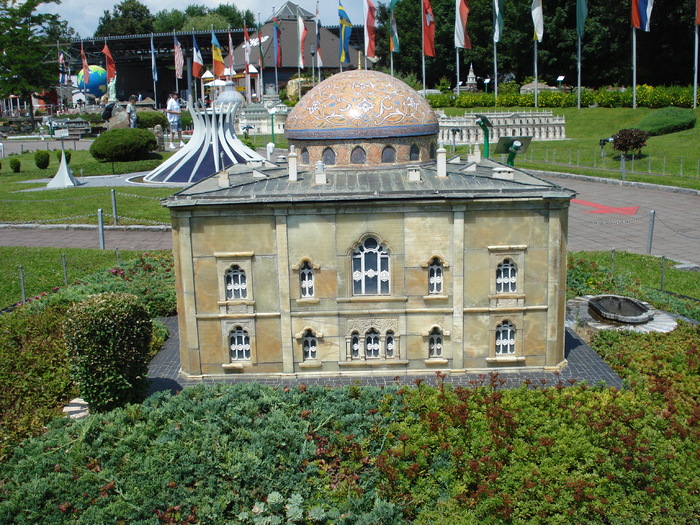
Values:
[(361, 104)]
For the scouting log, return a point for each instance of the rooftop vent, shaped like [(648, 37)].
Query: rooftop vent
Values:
[(320, 173), (503, 172), (413, 174)]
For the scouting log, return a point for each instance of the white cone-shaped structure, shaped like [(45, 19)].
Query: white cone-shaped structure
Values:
[(64, 176), (213, 146)]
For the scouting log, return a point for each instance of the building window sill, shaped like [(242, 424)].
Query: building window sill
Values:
[(372, 362), (237, 302), (373, 299), (436, 297), (435, 361), (311, 364), (506, 359), (308, 300), (238, 365)]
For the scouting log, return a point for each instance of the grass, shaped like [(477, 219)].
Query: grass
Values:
[(43, 269)]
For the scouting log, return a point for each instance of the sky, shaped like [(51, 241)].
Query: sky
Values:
[(83, 16)]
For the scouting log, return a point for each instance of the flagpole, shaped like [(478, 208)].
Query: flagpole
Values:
[(634, 69), (457, 58), (177, 84), (695, 70), (391, 61), (536, 86), (422, 28), (495, 73), (578, 90)]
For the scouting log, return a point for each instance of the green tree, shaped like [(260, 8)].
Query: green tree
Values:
[(235, 17), (25, 68), (130, 17), (168, 20), (205, 22)]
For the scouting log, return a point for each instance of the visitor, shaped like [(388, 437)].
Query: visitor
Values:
[(173, 111), (131, 112)]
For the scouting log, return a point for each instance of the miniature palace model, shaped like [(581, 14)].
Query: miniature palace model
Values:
[(369, 252)]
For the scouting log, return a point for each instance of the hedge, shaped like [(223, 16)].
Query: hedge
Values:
[(123, 145), (667, 120)]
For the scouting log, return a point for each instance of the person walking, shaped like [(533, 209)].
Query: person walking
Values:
[(131, 111), (173, 111)]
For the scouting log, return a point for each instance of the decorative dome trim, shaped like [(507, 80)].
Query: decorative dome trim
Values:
[(352, 133)]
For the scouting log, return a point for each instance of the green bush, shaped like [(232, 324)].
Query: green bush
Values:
[(149, 119), (108, 337), (41, 159), (15, 165), (123, 145), (186, 119), (667, 120), (68, 155)]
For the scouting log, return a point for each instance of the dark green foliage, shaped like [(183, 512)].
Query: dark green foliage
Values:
[(123, 145), (129, 17), (68, 155), (107, 337), (41, 159), (149, 119), (186, 119), (667, 120), (631, 139), (15, 165)]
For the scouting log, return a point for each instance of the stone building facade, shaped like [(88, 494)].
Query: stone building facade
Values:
[(355, 263)]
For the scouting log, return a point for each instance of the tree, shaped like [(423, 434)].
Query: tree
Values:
[(206, 22), (130, 17), (631, 139), (25, 65), (167, 21)]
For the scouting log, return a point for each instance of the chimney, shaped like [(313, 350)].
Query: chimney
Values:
[(441, 162), (320, 174), (223, 179), (292, 160), (413, 174)]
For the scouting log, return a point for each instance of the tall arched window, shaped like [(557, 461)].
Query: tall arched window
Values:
[(435, 277), (414, 153), (358, 155), (328, 157), (390, 344), (372, 344), (309, 345), (506, 277), (235, 282), (505, 339), (304, 156), (306, 280), (355, 345), (435, 343), (239, 343), (388, 155), (370, 269)]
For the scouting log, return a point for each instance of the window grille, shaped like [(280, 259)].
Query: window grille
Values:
[(370, 269), (505, 339), (235, 281), (239, 342), (506, 277)]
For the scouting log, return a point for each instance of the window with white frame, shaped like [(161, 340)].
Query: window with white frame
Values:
[(506, 277), (235, 283), (505, 339), (435, 277), (370, 269), (389, 344), (435, 343), (306, 280), (372, 344), (355, 345), (239, 344), (309, 345)]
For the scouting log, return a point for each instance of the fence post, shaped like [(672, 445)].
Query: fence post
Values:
[(649, 163), (663, 272), (116, 251), (595, 156), (65, 268), (663, 168), (612, 261), (101, 228), (681, 169), (21, 283), (546, 153), (650, 238), (632, 168), (114, 206), (622, 167)]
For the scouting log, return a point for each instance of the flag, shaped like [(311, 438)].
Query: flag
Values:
[(428, 29), (246, 47), (276, 41), (86, 68), (154, 70), (62, 67), (261, 61), (216, 56), (111, 67), (538, 19), (581, 15), (697, 12), (394, 41), (370, 27), (301, 31), (230, 50), (497, 20), (461, 15), (641, 14), (179, 58), (345, 31), (319, 58), (197, 62)]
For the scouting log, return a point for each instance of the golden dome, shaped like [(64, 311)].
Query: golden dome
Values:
[(361, 104)]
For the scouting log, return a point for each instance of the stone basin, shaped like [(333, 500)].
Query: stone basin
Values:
[(621, 309)]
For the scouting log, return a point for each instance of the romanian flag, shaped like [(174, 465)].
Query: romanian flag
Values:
[(197, 62), (217, 57), (370, 27), (345, 31), (641, 14), (394, 42), (461, 15), (428, 29), (111, 67)]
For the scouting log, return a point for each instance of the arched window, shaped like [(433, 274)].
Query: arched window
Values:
[(239, 343), (414, 153), (306, 280), (328, 157), (388, 155), (506, 277), (358, 156), (304, 156), (370, 269), (372, 345), (235, 282), (309, 345), (432, 151), (435, 277), (435, 343), (505, 339), (389, 344), (355, 345)]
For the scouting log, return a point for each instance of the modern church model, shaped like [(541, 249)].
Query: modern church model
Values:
[(369, 252)]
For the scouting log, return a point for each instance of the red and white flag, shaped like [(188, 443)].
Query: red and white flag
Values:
[(179, 58), (301, 28), (197, 61), (461, 15), (428, 29), (319, 58), (86, 68), (370, 28)]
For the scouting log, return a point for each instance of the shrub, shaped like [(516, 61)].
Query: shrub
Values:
[(149, 119), (68, 155), (667, 120), (15, 165), (41, 159), (631, 139), (107, 337), (186, 119), (123, 145)]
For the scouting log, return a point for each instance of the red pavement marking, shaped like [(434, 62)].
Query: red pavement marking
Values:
[(600, 208)]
